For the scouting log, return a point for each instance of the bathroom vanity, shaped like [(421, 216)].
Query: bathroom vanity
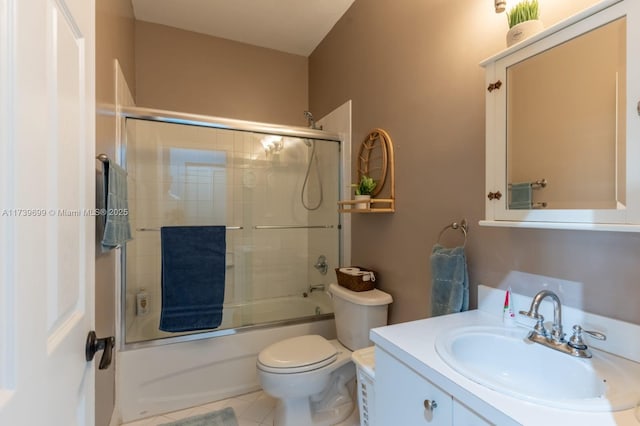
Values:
[(416, 384)]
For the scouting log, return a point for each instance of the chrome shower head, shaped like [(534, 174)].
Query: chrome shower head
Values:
[(310, 120), (312, 123)]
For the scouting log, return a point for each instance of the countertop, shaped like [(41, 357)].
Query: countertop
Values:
[(413, 343)]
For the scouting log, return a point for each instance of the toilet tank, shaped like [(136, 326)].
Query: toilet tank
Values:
[(357, 312)]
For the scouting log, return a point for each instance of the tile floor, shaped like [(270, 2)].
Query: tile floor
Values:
[(252, 409)]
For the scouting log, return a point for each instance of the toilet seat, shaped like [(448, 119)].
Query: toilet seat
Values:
[(297, 355)]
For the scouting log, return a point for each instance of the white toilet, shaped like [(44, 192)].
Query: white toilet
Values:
[(310, 375)]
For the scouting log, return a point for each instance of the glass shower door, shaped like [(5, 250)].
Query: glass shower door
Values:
[(277, 197)]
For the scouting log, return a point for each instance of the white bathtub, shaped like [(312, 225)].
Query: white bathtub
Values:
[(158, 377), (241, 314)]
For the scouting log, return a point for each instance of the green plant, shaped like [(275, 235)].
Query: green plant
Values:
[(526, 10), (366, 186)]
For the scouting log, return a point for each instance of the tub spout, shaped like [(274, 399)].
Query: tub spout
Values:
[(314, 287)]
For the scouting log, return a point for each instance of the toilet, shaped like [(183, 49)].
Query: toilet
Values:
[(312, 377)]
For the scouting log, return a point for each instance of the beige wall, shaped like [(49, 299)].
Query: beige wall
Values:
[(114, 40), (412, 69), (184, 71)]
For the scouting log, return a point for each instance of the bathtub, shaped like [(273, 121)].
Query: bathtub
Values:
[(238, 315), (174, 373)]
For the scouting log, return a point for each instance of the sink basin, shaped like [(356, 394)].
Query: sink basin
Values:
[(504, 360)]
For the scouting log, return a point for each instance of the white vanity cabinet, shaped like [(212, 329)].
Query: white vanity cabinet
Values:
[(404, 397), (463, 415), (563, 116), (413, 365)]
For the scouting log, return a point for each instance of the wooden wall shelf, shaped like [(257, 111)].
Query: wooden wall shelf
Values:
[(375, 160), (389, 206)]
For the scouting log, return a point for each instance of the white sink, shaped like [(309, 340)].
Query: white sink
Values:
[(503, 359)]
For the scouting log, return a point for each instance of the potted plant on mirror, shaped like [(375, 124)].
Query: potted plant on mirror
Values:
[(523, 21), (364, 189)]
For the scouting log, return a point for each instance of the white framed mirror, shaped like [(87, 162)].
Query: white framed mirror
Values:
[(561, 120)]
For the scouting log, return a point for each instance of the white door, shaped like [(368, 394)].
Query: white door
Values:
[(47, 164)]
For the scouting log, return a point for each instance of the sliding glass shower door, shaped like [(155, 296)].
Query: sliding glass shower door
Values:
[(275, 194)]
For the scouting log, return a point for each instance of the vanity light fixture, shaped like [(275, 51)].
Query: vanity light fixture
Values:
[(501, 5)]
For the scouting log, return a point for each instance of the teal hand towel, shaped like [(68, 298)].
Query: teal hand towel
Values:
[(521, 196), (450, 280), (116, 230)]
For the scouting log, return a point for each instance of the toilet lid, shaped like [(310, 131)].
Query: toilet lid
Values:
[(298, 354)]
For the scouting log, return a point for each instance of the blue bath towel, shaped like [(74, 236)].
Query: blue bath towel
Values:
[(450, 281), (521, 196), (116, 229), (193, 273)]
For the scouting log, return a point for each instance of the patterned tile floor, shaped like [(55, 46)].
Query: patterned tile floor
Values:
[(252, 409)]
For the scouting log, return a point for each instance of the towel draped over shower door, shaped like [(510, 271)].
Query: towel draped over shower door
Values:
[(193, 277), (117, 230)]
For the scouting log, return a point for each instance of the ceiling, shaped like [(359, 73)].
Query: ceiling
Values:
[(293, 26)]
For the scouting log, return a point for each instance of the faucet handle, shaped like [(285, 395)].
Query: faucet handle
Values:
[(539, 327), (576, 340), (595, 334), (532, 315)]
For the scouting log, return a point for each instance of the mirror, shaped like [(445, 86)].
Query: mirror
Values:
[(566, 121)]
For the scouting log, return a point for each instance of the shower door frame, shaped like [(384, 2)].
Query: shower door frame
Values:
[(173, 117), (164, 116)]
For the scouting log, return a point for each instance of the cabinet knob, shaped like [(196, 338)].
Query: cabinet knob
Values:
[(494, 195), (430, 405)]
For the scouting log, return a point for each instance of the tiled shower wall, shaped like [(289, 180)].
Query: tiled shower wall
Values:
[(188, 175)]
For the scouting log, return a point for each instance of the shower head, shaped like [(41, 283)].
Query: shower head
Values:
[(309, 117), (312, 123)]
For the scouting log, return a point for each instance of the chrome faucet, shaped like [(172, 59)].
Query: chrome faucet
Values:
[(554, 339), (556, 329)]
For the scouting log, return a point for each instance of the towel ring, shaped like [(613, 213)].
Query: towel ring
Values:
[(462, 226)]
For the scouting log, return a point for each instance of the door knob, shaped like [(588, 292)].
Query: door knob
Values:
[(94, 345)]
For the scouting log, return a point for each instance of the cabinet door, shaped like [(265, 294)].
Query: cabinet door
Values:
[(463, 415), (574, 167), (403, 397)]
